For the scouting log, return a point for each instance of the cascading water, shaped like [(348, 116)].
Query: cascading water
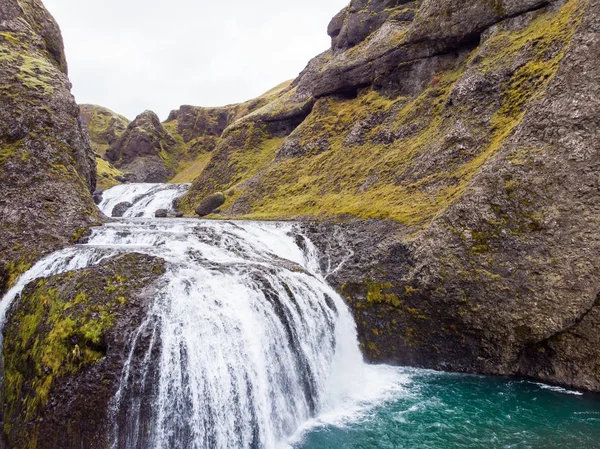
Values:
[(246, 346), (252, 341), (146, 199)]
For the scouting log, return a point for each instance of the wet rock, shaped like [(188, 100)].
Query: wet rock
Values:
[(210, 204), (179, 214), (161, 213), (120, 209), (67, 381), (98, 195)]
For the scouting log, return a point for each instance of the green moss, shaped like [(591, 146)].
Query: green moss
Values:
[(103, 125), (376, 294), (59, 328), (15, 269), (371, 179), (54, 338), (107, 174)]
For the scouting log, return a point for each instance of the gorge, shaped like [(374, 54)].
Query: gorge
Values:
[(425, 194)]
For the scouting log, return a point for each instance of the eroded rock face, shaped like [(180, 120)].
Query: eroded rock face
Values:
[(138, 150), (472, 127), (63, 368), (505, 280), (47, 168)]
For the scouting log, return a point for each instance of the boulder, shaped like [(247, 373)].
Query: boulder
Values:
[(120, 209), (210, 203), (98, 195), (179, 214), (161, 213)]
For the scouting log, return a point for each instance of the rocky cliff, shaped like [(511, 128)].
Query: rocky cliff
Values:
[(47, 168), (176, 150), (471, 128), (104, 128), (445, 158)]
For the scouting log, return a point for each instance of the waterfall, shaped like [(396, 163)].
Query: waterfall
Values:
[(245, 341), (146, 199)]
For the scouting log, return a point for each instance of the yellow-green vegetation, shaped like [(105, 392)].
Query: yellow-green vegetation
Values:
[(107, 174), (376, 293), (51, 352), (14, 270), (188, 171), (59, 328), (104, 126), (29, 69), (414, 176), (192, 151)]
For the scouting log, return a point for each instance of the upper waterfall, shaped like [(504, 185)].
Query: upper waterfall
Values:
[(145, 199)]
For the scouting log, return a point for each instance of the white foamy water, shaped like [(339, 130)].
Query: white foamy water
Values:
[(245, 345), (146, 199)]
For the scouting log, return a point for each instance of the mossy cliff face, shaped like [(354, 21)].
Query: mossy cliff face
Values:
[(66, 342), (103, 125), (47, 168), (104, 128), (470, 128)]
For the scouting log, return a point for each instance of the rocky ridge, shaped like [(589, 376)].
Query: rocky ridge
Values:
[(104, 128)]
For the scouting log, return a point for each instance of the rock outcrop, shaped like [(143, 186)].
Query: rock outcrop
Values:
[(103, 125), (66, 342), (144, 150), (47, 168), (471, 128), (104, 128)]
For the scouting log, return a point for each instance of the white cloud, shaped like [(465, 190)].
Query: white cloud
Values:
[(132, 55)]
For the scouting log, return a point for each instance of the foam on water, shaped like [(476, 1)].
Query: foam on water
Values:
[(253, 342), (146, 199)]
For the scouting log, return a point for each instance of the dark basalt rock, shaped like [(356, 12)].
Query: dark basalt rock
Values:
[(71, 357), (97, 196), (120, 209), (138, 149), (161, 213), (47, 168), (210, 204)]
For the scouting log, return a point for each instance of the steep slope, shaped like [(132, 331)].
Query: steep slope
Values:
[(103, 125), (104, 128), (176, 150), (143, 150), (47, 168), (470, 126)]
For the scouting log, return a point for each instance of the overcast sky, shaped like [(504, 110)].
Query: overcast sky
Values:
[(132, 55)]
